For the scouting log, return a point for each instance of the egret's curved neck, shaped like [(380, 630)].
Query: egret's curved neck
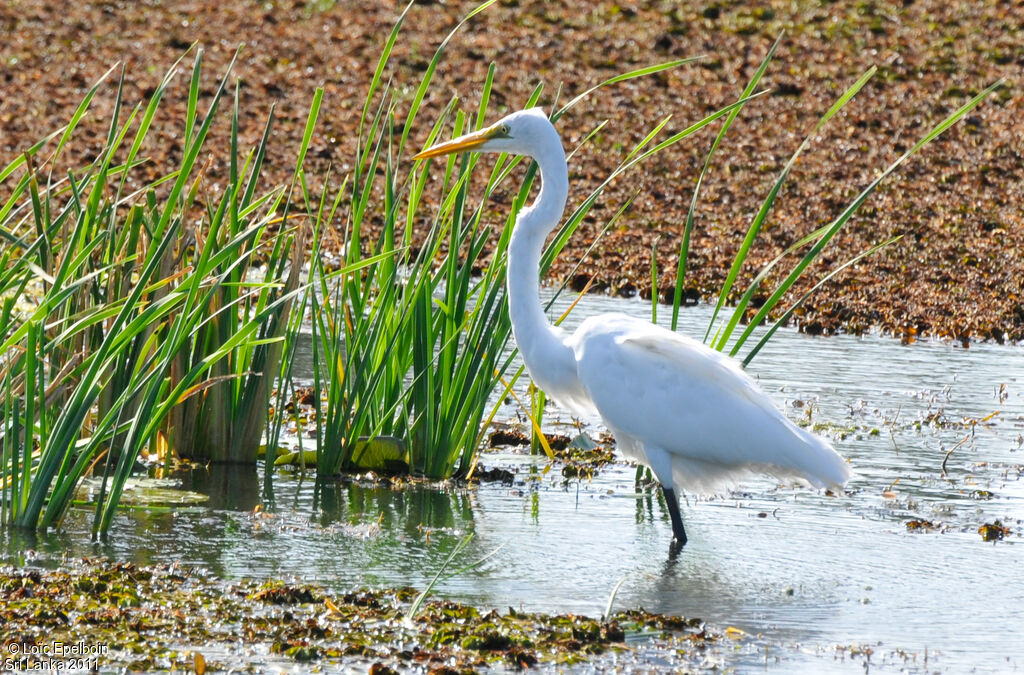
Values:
[(538, 341)]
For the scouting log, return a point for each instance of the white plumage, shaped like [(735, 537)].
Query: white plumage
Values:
[(670, 399), (685, 410)]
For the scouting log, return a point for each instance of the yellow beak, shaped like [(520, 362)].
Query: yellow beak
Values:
[(460, 144)]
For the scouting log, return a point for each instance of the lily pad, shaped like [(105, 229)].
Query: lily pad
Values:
[(144, 492), (381, 454)]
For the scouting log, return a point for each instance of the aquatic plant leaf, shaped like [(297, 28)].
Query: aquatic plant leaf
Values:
[(305, 458), (144, 493), (382, 454), (583, 442)]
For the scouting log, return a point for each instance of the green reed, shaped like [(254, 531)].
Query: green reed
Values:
[(133, 321)]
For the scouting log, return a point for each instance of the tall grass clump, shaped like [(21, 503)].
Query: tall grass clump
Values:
[(134, 321)]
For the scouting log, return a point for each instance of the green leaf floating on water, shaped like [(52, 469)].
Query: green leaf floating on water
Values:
[(144, 493), (296, 458), (382, 454), (583, 442)]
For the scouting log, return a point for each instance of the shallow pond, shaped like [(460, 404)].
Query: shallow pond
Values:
[(894, 574)]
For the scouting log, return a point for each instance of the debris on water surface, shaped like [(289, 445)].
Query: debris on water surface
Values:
[(920, 525), (495, 475), (584, 464), (993, 531), (581, 456), (280, 593), (157, 617), (506, 436), (144, 493), (584, 457), (501, 437)]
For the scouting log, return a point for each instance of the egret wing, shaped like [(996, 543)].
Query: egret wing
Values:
[(659, 390)]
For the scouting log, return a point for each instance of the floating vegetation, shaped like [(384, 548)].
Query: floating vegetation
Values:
[(921, 525), (509, 436), (144, 492), (168, 618), (993, 531), (381, 454), (583, 457), (495, 475)]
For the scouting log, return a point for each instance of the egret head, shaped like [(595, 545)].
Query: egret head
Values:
[(521, 133)]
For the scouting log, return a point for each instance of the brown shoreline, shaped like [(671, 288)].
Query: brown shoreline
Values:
[(955, 273)]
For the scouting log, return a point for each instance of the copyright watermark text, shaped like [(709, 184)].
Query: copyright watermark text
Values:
[(57, 655)]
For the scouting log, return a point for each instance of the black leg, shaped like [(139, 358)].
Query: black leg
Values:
[(673, 511)]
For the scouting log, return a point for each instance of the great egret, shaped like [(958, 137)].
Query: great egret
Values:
[(687, 411)]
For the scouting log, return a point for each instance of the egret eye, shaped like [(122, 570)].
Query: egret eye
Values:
[(504, 129)]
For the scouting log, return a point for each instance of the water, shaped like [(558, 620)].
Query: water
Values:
[(808, 575)]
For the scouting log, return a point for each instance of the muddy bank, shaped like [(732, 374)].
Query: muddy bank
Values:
[(956, 272), (94, 615)]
